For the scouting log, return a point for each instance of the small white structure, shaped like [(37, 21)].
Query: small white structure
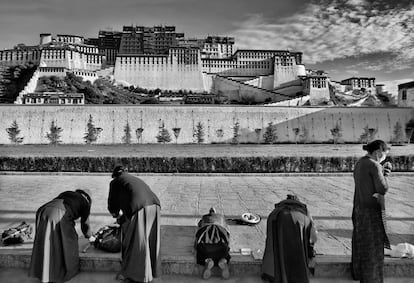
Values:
[(406, 94), (53, 98)]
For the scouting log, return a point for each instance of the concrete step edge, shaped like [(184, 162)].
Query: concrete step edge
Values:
[(325, 266)]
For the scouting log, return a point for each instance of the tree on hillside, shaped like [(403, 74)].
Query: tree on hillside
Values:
[(92, 133), (163, 135), (55, 134), (14, 132), (127, 134), (270, 135)]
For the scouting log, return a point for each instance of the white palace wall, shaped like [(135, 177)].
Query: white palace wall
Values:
[(161, 74), (34, 122)]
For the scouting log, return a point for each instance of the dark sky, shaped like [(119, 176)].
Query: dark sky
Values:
[(345, 37)]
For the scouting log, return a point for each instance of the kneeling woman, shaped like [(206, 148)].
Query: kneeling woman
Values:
[(140, 225), (55, 255), (212, 244)]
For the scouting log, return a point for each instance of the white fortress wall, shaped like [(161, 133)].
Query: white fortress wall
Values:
[(253, 82), (318, 96), (208, 80), (158, 72), (19, 57), (34, 122), (283, 74), (266, 82), (291, 90), (56, 58), (52, 71), (86, 75), (299, 101)]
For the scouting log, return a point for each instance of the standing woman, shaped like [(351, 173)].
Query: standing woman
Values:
[(55, 255), (369, 235), (139, 207)]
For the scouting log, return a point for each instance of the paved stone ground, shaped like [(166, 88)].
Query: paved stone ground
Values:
[(10, 275), (195, 150), (185, 197)]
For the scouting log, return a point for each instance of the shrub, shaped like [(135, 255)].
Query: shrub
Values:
[(368, 135), (296, 133), (236, 134), (163, 135), (127, 134), (176, 133), (92, 133), (14, 132), (258, 132), (55, 134), (198, 133), (138, 133), (220, 133), (304, 136), (409, 129), (336, 133), (398, 133), (270, 135)]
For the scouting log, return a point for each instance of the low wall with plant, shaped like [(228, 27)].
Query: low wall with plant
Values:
[(113, 124), (194, 164)]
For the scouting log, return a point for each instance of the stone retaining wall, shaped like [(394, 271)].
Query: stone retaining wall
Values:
[(291, 124)]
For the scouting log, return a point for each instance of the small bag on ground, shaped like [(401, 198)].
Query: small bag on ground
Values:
[(17, 235), (108, 239)]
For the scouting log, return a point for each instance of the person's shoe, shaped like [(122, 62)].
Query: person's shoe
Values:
[(225, 273), (119, 277), (209, 263)]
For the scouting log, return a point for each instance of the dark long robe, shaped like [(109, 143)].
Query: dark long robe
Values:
[(55, 255), (212, 239), (288, 243), (369, 234), (140, 228)]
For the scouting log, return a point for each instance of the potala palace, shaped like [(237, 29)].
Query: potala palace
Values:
[(160, 58)]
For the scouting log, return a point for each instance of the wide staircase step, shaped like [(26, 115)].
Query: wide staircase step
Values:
[(178, 257), (18, 275)]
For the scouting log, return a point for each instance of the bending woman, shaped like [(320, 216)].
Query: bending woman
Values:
[(55, 255), (140, 225)]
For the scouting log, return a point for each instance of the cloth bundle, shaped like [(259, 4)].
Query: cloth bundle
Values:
[(401, 250), (17, 235), (108, 239)]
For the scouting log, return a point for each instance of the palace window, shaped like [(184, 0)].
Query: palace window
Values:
[(404, 94)]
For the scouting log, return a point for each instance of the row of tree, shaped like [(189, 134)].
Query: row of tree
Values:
[(269, 136)]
